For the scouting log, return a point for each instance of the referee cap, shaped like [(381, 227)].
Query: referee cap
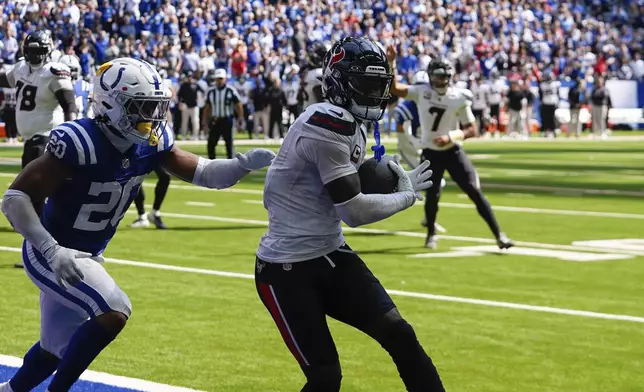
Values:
[(220, 73)]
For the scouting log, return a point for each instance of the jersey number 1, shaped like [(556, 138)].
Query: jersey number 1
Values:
[(118, 195), (28, 101), (437, 114)]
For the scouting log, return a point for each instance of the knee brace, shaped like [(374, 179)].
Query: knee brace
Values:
[(323, 378)]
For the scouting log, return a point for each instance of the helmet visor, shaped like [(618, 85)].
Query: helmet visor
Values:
[(153, 111), (370, 90)]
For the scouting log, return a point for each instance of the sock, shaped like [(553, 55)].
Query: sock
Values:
[(156, 213), (37, 366), (88, 341), (143, 216)]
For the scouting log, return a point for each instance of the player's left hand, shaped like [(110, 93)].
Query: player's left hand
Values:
[(392, 53), (255, 159), (415, 180), (442, 141)]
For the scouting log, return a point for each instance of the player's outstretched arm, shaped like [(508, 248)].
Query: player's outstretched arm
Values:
[(38, 180), (397, 89), (215, 173)]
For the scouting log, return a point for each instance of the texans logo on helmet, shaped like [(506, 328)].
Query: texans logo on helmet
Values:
[(337, 56)]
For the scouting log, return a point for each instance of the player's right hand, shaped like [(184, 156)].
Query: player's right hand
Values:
[(414, 180), (63, 262), (392, 52)]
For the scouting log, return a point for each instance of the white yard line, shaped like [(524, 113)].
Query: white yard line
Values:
[(109, 379), (435, 297), (199, 204)]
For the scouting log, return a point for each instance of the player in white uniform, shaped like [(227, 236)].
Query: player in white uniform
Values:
[(304, 269), (496, 90), (311, 78), (441, 109), (82, 88), (291, 87), (480, 103)]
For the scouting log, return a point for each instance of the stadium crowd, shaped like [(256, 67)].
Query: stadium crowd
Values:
[(517, 39)]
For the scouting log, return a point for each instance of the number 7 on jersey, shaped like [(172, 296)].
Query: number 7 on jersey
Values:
[(437, 114)]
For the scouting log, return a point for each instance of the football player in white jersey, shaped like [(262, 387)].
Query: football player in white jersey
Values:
[(480, 104), (44, 93), (441, 108), (291, 87), (311, 78), (82, 88), (549, 96), (305, 271)]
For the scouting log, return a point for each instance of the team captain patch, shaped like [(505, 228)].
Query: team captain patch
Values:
[(331, 123)]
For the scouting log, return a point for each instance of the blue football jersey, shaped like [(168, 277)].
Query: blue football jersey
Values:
[(407, 111), (84, 212)]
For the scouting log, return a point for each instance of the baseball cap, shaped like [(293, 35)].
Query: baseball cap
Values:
[(220, 73)]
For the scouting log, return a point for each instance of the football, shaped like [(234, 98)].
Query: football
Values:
[(377, 177)]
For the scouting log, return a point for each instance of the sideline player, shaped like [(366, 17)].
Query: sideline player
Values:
[(305, 271), (82, 88), (311, 80), (441, 108), (90, 172)]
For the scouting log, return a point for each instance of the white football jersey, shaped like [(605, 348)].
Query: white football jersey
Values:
[(324, 144), (440, 114), (496, 89), (480, 96), (291, 88), (550, 92), (37, 109), (313, 78)]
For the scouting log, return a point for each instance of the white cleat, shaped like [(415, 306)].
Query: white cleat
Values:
[(504, 242), (140, 222), (432, 242), (440, 229)]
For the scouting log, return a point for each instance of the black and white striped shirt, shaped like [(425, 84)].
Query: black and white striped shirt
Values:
[(222, 101)]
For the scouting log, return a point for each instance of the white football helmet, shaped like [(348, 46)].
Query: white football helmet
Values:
[(420, 77), (73, 63), (130, 97)]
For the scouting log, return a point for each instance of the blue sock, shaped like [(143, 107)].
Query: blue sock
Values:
[(88, 341), (37, 366)]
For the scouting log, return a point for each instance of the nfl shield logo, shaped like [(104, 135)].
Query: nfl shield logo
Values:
[(126, 163)]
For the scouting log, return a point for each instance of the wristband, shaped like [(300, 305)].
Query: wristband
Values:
[(456, 135)]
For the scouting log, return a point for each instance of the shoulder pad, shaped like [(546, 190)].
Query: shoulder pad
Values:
[(72, 143), (60, 70), (332, 118)]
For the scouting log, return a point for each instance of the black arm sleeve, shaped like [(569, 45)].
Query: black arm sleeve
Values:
[(344, 188), (67, 100)]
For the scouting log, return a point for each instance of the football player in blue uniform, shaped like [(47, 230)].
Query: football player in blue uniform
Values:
[(89, 174)]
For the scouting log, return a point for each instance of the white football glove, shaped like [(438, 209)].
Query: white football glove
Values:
[(63, 262), (414, 180), (255, 159)]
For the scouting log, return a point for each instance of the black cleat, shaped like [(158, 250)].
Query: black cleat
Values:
[(504, 242), (156, 220)]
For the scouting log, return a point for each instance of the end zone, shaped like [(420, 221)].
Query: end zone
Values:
[(92, 381)]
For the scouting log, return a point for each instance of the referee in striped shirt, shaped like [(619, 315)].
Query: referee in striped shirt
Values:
[(222, 102)]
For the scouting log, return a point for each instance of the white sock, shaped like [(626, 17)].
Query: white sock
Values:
[(143, 217), (156, 213)]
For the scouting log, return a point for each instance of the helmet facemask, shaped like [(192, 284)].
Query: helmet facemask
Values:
[(37, 56), (368, 95), (143, 117)]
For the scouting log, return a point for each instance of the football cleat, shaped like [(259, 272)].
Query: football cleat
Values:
[(504, 242), (140, 222), (19, 265), (156, 220), (432, 242), (437, 227)]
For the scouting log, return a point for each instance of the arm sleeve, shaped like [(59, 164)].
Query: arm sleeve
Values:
[(17, 207), (333, 163), (413, 92), (466, 116), (218, 173)]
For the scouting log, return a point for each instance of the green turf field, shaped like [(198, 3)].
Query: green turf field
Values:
[(202, 330)]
